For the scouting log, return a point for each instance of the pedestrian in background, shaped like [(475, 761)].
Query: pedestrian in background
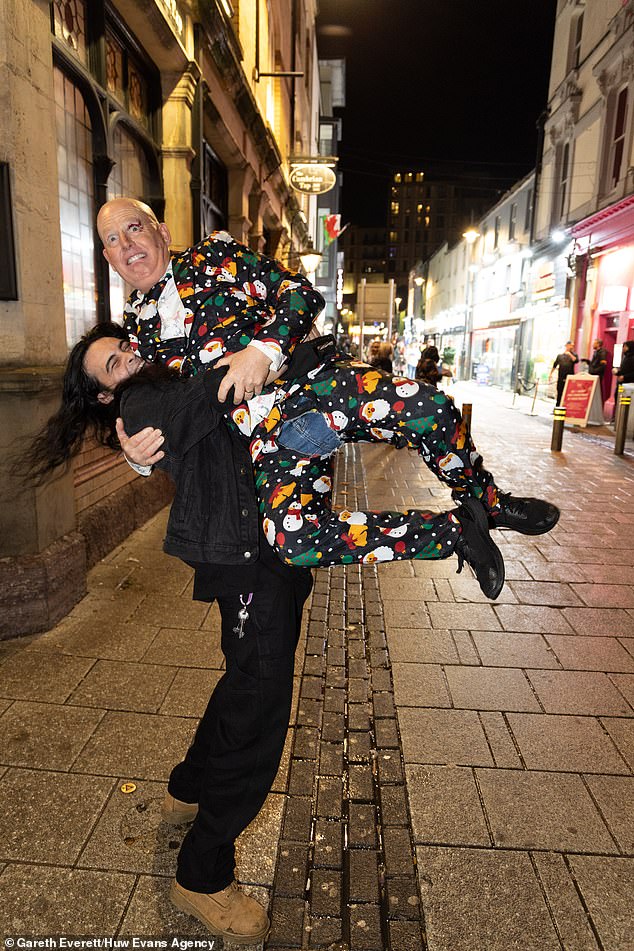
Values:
[(599, 359), (625, 371), (565, 365), (430, 368)]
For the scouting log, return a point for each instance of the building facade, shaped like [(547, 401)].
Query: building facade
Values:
[(196, 108), (585, 187)]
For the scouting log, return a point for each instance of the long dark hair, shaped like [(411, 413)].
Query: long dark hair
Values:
[(61, 437)]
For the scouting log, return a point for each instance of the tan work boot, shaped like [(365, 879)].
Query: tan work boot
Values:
[(230, 913), (175, 812)]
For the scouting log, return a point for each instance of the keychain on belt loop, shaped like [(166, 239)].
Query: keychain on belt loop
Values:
[(243, 615)]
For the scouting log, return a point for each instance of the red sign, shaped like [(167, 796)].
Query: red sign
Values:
[(577, 398)]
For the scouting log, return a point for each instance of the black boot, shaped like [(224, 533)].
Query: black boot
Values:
[(476, 547), (528, 516)]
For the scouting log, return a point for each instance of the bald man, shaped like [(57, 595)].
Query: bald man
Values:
[(218, 302)]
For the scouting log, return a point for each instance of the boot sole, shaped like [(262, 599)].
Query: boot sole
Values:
[(174, 820), (181, 902)]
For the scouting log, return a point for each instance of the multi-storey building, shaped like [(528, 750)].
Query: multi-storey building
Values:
[(585, 188), (194, 107), (423, 213), (364, 257)]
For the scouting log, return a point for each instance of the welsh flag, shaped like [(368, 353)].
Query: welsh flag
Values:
[(332, 228)]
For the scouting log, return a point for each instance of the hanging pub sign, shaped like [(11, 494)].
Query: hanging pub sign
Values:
[(313, 176)]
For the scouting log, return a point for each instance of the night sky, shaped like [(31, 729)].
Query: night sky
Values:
[(440, 86)]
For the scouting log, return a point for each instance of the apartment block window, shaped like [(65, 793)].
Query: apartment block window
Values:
[(419, 176), (76, 204), (576, 31), (618, 138), (408, 177), (395, 208), (529, 211), (512, 221), (397, 178), (496, 232), (563, 180)]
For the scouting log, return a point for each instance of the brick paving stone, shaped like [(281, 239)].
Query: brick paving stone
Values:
[(287, 922), (402, 897), (336, 656), (582, 692), (383, 705), (358, 689), (330, 797), (325, 933), (380, 658), (331, 759), (614, 796), (390, 767), (357, 668), (358, 716), (406, 936), (359, 746), (312, 688), (590, 653), (335, 700), (333, 727), (381, 679), (310, 712), (325, 893), (363, 874), (490, 688), (568, 913), (314, 665), (467, 654), (394, 806), (335, 677), (445, 806), (501, 743), (567, 743), (533, 618), (297, 820), (538, 810), (361, 825), (328, 844), (365, 928), (356, 649), (622, 733), (386, 732), (360, 783), (397, 848), (520, 650), (306, 742), (607, 885), (292, 870)]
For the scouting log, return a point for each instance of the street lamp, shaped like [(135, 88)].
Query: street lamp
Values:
[(310, 259), (471, 235)]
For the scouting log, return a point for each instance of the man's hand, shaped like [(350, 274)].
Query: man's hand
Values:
[(144, 447), (247, 374)]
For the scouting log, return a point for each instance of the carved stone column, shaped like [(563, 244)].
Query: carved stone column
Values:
[(179, 90)]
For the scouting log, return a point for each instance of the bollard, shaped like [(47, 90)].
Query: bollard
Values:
[(466, 417), (621, 424), (559, 418)]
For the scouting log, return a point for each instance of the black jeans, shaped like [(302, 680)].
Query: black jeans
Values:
[(235, 754)]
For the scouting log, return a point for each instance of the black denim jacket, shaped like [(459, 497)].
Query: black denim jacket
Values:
[(214, 515)]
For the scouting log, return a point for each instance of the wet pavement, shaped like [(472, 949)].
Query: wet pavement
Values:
[(458, 774)]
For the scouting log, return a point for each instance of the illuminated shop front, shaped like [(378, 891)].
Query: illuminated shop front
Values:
[(545, 324)]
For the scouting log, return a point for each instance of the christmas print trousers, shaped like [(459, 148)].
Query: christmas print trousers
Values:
[(361, 403)]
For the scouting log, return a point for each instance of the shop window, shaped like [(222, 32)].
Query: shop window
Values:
[(76, 203), (215, 193), (69, 25)]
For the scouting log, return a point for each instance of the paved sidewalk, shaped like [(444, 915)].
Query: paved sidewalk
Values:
[(458, 775)]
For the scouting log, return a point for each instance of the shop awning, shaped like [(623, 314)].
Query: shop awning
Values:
[(611, 225)]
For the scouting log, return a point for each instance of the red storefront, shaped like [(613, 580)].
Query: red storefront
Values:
[(604, 249)]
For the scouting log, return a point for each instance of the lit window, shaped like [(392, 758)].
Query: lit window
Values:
[(69, 24), (419, 209), (408, 177), (395, 207), (419, 176), (397, 178), (76, 206)]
